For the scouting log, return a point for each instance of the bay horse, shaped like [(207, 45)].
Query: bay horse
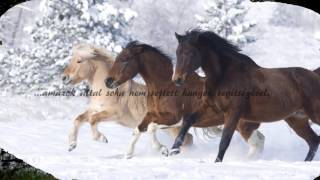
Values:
[(287, 90), (168, 109), (92, 63)]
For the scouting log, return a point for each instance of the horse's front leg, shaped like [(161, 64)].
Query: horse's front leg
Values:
[(188, 121), (94, 120), (152, 128), (75, 129), (137, 133), (134, 138), (230, 124), (188, 139)]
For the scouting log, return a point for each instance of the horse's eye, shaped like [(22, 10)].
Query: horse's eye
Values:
[(80, 60)]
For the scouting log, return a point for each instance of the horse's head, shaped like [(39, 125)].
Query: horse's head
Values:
[(188, 58), (125, 67), (80, 67)]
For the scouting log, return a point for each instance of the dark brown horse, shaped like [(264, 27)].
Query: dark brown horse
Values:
[(266, 95), (168, 109)]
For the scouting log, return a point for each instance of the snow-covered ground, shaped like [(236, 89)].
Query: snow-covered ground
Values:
[(36, 129)]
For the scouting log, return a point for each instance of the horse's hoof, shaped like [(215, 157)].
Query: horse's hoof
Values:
[(101, 138), (174, 151), (128, 156), (72, 147), (218, 160), (310, 156), (164, 151), (104, 139)]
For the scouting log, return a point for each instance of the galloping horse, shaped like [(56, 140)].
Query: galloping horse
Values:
[(168, 109), (287, 90), (93, 63)]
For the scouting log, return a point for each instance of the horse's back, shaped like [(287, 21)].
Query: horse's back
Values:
[(294, 77), (317, 71), (308, 81)]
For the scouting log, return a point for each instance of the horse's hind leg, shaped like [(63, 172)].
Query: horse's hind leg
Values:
[(314, 112), (253, 137), (300, 124), (312, 109)]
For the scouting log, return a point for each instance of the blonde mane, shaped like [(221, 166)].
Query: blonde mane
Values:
[(86, 50)]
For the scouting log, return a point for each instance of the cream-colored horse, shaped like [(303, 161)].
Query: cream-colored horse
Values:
[(92, 64)]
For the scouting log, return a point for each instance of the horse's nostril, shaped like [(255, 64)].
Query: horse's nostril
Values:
[(109, 82), (179, 82), (64, 78)]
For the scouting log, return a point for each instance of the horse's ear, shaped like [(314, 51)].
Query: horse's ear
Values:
[(197, 37), (178, 36), (95, 53)]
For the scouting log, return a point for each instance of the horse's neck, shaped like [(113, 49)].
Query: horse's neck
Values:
[(155, 72), (100, 72), (218, 67), (212, 67)]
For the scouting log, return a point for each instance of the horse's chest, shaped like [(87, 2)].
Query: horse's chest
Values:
[(97, 106), (163, 104), (221, 103), (111, 105)]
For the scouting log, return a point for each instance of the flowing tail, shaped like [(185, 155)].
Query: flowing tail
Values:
[(210, 132)]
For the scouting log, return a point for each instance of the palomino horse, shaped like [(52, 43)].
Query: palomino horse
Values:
[(168, 104), (92, 64), (286, 90)]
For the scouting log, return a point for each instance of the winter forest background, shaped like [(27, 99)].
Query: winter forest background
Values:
[(38, 35)]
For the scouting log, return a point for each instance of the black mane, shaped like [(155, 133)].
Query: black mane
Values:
[(221, 46), (212, 40), (133, 44)]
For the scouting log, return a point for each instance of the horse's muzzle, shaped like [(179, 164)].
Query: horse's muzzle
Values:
[(66, 79), (110, 83), (179, 82), (179, 78)]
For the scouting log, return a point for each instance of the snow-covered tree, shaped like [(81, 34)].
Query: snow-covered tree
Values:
[(161, 18), (62, 24), (287, 15), (227, 18)]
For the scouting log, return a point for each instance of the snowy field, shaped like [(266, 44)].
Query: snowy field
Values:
[(36, 130)]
